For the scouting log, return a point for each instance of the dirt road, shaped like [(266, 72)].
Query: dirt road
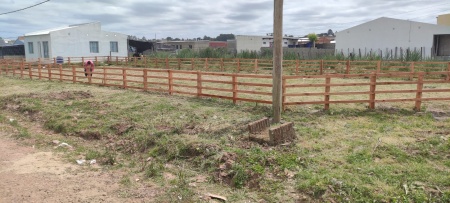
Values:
[(31, 175)]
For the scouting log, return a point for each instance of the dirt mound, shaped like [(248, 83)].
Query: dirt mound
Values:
[(70, 95)]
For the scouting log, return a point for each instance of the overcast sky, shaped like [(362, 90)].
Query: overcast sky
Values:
[(196, 18)]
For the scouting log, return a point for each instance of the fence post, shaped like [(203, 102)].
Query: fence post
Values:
[(206, 64), (327, 91), (135, 61), (448, 74), (54, 60), (419, 92), (167, 63), (49, 70), (104, 76), (411, 67), (283, 95), (68, 61), (117, 60), (238, 65), (145, 79), (373, 85), (13, 70), (170, 81), (96, 60), (124, 76), (82, 60), (30, 71), (40, 71), (179, 64), (145, 62), (297, 64), (60, 73), (347, 71), (221, 65), (378, 66), (235, 88), (256, 65), (199, 83), (6, 70), (74, 74), (21, 69), (156, 63), (321, 67)]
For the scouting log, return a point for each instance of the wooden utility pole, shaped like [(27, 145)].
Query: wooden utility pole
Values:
[(277, 60)]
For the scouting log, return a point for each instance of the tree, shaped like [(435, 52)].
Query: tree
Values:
[(312, 38), (224, 37), (330, 32), (169, 39), (206, 38)]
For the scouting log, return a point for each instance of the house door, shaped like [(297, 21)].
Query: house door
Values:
[(46, 53), (442, 45), (39, 50)]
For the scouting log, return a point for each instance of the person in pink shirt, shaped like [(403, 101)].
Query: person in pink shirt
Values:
[(88, 67)]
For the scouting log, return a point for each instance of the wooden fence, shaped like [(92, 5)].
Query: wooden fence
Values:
[(326, 89), (260, 66)]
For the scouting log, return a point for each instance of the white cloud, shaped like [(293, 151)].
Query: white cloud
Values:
[(196, 18)]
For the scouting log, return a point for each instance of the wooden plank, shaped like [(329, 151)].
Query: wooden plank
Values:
[(419, 92), (373, 85), (327, 91)]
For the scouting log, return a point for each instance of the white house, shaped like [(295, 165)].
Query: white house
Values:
[(81, 40), (255, 43), (387, 34)]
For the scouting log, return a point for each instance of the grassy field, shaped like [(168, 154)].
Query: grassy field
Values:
[(191, 146)]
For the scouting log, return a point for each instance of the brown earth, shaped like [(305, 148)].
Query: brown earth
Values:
[(32, 175)]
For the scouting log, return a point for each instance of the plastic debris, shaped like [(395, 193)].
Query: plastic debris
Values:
[(93, 161), (81, 162), (11, 120)]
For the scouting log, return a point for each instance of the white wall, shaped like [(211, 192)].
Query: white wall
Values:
[(38, 51), (255, 43), (74, 42), (248, 43), (388, 33)]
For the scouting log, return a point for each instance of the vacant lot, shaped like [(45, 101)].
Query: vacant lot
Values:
[(178, 149)]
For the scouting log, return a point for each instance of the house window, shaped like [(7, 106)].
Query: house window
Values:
[(264, 42), (190, 46), (285, 42), (30, 48), (114, 46), (46, 50), (181, 46), (93, 46)]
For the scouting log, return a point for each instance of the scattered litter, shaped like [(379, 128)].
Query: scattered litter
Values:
[(93, 161), (11, 120), (406, 188), (81, 162), (137, 180), (64, 145), (217, 197)]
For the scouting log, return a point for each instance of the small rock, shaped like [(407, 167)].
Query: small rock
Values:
[(56, 142)]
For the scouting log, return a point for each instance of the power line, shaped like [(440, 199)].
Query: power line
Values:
[(25, 8)]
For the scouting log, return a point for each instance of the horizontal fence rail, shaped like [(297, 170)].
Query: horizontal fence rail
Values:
[(328, 87), (257, 66)]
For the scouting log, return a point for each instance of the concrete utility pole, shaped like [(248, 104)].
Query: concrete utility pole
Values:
[(277, 60)]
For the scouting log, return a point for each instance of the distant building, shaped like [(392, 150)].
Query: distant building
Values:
[(255, 43), (217, 44), (196, 45), (443, 20), (79, 40), (387, 34)]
